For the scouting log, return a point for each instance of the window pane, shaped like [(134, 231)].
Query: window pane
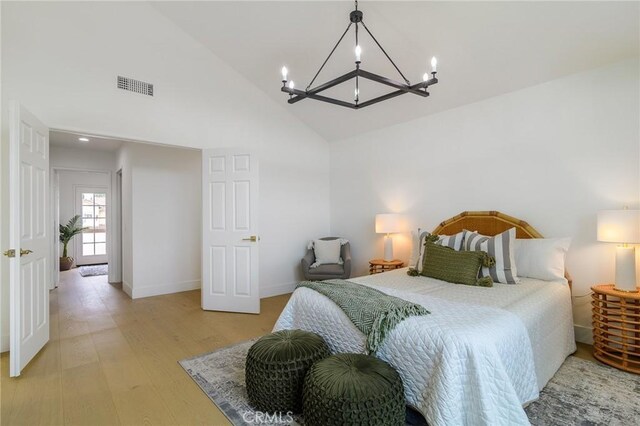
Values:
[(87, 211), (101, 237), (87, 237), (87, 223), (101, 248), (87, 249), (87, 198), (101, 224), (101, 211), (100, 199)]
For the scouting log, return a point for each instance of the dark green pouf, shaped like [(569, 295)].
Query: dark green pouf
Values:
[(276, 367), (353, 389)]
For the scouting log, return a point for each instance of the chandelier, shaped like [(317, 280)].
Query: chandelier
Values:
[(355, 17)]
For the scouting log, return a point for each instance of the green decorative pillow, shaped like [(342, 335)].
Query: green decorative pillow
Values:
[(460, 267)]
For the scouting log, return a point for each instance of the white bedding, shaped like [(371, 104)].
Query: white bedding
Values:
[(478, 357)]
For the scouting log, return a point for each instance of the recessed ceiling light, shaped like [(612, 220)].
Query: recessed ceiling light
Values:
[(83, 139)]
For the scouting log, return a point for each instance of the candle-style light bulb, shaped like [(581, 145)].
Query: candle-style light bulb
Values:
[(291, 85), (358, 53), (285, 71), (426, 76), (434, 64)]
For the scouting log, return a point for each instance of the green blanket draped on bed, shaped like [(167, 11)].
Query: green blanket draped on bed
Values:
[(373, 312)]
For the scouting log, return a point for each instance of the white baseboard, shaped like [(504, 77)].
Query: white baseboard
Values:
[(277, 290), (126, 287), (4, 343), (160, 289), (148, 291), (583, 334)]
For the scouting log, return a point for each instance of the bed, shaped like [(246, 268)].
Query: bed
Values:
[(480, 356)]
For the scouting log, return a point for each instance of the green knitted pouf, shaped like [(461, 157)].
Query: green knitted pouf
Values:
[(276, 366), (353, 389)]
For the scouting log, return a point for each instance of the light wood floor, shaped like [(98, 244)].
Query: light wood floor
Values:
[(112, 360)]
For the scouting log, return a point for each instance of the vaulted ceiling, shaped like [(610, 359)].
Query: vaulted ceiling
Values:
[(484, 49)]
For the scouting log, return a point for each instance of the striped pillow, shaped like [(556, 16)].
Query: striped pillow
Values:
[(421, 237), (417, 239), (453, 241), (501, 247)]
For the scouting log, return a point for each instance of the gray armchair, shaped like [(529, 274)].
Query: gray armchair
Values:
[(328, 271)]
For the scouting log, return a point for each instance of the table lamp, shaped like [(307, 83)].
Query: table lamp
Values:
[(388, 223), (622, 227)]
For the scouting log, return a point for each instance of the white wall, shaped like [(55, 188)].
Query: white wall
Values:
[(553, 155), (61, 60), (124, 164), (164, 221)]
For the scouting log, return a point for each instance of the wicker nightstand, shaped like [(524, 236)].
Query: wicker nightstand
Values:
[(377, 266), (616, 327)]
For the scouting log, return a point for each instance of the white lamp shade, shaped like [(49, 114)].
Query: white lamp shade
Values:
[(619, 226), (388, 223)]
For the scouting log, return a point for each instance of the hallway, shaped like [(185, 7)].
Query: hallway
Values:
[(112, 360)]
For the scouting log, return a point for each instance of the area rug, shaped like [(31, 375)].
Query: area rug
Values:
[(94, 270), (581, 393)]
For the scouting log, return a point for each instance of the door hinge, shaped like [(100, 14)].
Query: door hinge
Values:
[(10, 253)]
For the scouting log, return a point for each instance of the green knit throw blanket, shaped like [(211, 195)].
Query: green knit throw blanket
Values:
[(373, 312)]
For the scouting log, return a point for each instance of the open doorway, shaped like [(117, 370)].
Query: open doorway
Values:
[(82, 186), (139, 207)]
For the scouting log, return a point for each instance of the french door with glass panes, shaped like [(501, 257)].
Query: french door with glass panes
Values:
[(91, 245)]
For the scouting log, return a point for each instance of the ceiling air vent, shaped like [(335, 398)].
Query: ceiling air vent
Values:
[(137, 86)]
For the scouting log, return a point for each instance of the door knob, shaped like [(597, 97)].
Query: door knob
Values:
[(10, 253), (252, 238), (25, 252)]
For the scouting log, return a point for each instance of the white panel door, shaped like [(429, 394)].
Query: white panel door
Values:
[(30, 235), (230, 231)]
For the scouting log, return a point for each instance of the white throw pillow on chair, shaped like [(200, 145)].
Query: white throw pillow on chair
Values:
[(327, 252)]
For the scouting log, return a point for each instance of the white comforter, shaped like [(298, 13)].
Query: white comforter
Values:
[(478, 357)]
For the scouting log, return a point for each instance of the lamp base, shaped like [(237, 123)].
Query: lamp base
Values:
[(626, 269), (388, 248)]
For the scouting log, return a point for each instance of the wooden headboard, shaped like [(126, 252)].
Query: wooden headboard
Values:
[(489, 223), (486, 223)]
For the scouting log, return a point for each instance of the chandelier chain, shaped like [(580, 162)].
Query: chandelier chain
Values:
[(332, 50), (386, 54)]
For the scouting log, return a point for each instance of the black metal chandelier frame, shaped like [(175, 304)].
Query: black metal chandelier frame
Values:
[(356, 17)]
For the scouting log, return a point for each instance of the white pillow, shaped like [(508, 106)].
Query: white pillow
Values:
[(541, 258), (326, 252)]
